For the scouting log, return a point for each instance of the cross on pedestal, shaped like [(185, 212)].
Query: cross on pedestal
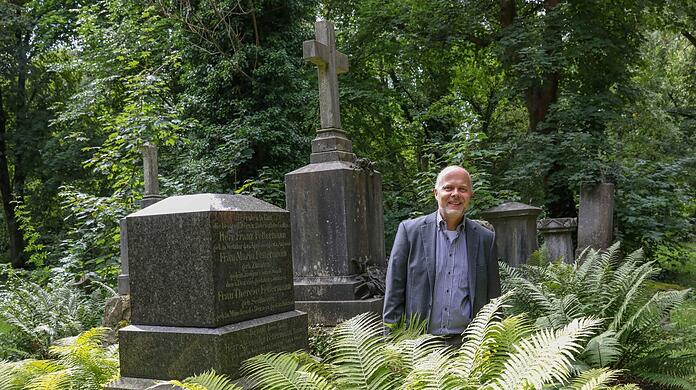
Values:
[(330, 62), (331, 143)]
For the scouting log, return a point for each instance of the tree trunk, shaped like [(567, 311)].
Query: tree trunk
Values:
[(16, 238), (539, 98)]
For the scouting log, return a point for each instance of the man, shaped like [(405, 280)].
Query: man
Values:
[(443, 266)]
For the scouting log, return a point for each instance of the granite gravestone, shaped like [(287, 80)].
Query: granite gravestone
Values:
[(558, 237), (335, 205), (515, 230), (211, 285), (596, 216)]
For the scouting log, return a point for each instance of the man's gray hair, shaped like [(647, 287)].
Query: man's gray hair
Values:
[(447, 170)]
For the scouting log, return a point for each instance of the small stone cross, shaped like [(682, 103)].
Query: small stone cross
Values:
[(330, 62)]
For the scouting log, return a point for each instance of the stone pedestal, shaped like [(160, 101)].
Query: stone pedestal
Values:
[(211, 285), (515, 231), (558, 237), (337, 221), (596, 217)]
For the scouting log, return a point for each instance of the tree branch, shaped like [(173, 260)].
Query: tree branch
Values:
[(690, 37)]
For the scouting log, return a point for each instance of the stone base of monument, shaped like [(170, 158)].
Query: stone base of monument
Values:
[(329, 300), (334, 312), (148, 351)]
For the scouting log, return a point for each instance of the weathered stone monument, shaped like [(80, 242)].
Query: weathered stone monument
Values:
[(211, 285), (335, 205), (558, 237), (596, 216), (515, 230)]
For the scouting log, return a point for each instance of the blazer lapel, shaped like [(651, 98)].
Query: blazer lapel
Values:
[(472, 247), (428, 231)]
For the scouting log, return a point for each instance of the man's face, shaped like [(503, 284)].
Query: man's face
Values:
[(453, 194)]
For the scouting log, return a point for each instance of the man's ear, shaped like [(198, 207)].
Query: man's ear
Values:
[(435, 192)]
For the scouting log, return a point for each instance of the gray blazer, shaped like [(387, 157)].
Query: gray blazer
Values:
[(411, 270)]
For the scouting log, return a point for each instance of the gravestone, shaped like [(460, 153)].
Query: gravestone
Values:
[(335, 205), (558, 237), (211, 285), (515, 231), (596, 216)]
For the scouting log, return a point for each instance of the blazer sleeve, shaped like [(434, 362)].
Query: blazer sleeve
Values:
[(493, 272), (395, 292)]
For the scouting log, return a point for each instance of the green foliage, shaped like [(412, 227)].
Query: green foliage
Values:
[(497, 354), (319, 340), (32, 316), (633, 335), (80, 362), (206, 381), (91, 245)]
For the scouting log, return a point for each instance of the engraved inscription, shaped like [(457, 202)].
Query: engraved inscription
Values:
[(252, 252), (277, 336)]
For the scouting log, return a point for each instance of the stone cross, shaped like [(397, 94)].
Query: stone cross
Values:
[(330, 62)]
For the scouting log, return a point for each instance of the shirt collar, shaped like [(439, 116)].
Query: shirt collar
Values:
[(441, 222)]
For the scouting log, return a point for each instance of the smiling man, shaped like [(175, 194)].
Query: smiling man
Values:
[(443, 267)]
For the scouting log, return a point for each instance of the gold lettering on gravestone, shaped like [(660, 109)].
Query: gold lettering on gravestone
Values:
[(254, 267)]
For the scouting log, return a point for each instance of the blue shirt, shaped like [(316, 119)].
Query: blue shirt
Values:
[(451, 310)]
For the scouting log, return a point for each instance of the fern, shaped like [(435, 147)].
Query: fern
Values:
[(545, 356), (357, 352), (7, 375), (81, 363), (605, 286), (273, 371), (593, 379), (207, 381), (602, 350)]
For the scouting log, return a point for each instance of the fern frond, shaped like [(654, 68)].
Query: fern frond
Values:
[(58, 380), (597, 378), (273, 371), (403, 356), (506, 334), (357, 351), (208, 380), (408, 328), (313, 381), (7, 373), (545, 356), (667, 380), (180, 385), (602, 350), (477, 336), (611, 255), (584, 263), (432, 372), (635, 280)]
